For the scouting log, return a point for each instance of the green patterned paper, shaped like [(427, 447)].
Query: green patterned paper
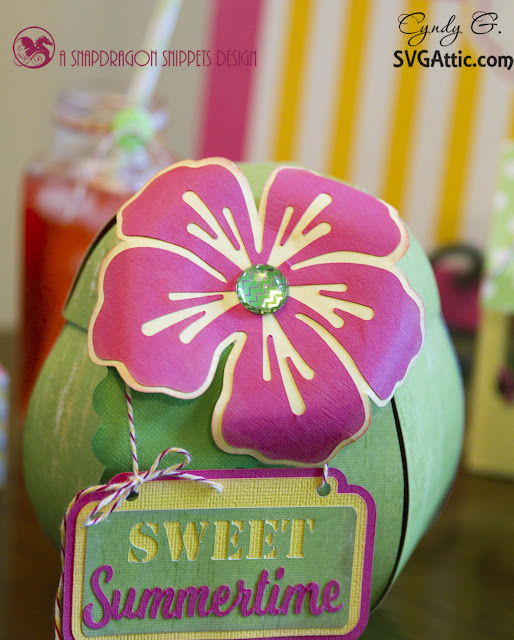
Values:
[(498, 287), (161, 421)]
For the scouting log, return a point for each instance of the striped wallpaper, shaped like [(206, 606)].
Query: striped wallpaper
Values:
[(325, 93)]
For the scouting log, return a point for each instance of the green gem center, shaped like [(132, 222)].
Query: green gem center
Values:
[(262, 289)]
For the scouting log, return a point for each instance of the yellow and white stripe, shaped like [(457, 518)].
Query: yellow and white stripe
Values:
[(319, 91), (326, 95), (261, 125), (430, 135), (376, 103), (295, 62)]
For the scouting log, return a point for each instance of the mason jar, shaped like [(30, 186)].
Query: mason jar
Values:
[(69, 193)]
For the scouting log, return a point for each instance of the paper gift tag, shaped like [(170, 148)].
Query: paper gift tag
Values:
[(267, 557)]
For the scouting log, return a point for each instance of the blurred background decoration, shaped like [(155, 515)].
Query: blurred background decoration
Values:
[(491, 415), (69, 193), (4, 425), (458, 271), (324, 92)]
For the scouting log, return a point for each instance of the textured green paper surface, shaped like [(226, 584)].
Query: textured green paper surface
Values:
[(57, 457), (61, 423), (161, 421), (328, 556), (380, 443), (432, 421)]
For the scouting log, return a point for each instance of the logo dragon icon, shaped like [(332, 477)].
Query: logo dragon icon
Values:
[(33, 47)]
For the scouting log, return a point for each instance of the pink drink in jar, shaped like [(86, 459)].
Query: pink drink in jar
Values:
[(68, 197)]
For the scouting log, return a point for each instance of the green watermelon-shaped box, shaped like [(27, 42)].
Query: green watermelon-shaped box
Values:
[(263, 316)]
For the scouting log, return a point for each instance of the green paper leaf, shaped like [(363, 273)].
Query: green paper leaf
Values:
[(160, 422)]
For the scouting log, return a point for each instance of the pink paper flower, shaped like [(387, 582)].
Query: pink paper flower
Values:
[(298, 380)]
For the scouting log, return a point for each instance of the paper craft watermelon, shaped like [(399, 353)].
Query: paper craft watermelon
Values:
[(263, 316)]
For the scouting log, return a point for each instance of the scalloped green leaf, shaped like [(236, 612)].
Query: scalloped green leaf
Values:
[(160, 422)]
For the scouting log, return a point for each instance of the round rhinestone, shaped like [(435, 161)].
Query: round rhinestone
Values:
[(262, 289)]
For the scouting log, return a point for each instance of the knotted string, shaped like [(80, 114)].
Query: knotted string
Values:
[(324, 487), (118, 492), (132, 431)]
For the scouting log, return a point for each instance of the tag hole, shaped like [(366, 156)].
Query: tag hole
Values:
[(133, 496), (324, 490)]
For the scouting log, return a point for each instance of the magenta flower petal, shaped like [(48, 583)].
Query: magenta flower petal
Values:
[(205, 207), (152, 320), (258, 419), (297, 383), (372, 313), (307, 215)]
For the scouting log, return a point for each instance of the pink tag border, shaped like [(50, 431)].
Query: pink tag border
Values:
[(219, 474)]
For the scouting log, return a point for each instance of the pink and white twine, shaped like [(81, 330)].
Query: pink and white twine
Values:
[(118, 492)]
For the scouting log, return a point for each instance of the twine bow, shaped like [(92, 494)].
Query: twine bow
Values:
[(118, 492)]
